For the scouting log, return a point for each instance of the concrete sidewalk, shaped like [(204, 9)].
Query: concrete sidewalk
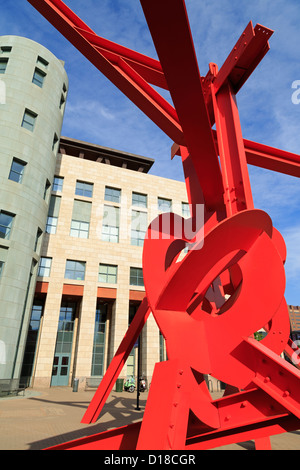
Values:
[(44, 418)]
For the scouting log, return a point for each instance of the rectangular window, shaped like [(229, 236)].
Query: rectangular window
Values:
[(111, 222), (81, 216), (136, 277), (46, 190), (108, 273), (42, 62), (55, 143), (1, 267), (53, 214), (84, 189), (17, 170), (112, 194), (38, 240), (6, 221), (58, 184), (3, 65), (139, 200), (75, 270), (29, 120), (5, 49), (164, 205), (38, 77), (79, 229), (45, 267), (99, 341), (185, 210), (139, 225)]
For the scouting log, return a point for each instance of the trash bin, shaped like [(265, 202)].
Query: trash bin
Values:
[(75, 385), (119, 385)]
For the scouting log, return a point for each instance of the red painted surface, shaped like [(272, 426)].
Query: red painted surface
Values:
[(231, 282)]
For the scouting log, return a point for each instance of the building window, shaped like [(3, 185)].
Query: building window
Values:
[(108, 273), (53, 214), (84, 189), (42, 62), (45, 267), (75, 270), (17, 170), (38, 240), (58, 184), (112, 194), (80, 224), (99, 341), (51, 225), (1, 267), (139, 224), (6, 220), (79, 229), (38, 77), (5, 49), (29, 120), (55, 143), (110, 226), (164, 205), (139, 200), (185, 210), (46, 190), (136, 277), (32, 340), (3, 65)]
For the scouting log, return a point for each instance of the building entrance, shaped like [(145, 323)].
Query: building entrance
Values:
[(64, 342)]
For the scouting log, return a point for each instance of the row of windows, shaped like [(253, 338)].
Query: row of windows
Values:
[(75, 270), (114, 195)]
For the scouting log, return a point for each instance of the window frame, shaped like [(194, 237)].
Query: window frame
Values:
[(132, 276), (47, 269), (75, 271), (14, 172), (8, 227), (112, 194), (29, 126), (37, 81), (107, 277), (84, 190)]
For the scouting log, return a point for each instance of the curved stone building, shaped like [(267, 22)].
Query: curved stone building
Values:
[(33, 89)]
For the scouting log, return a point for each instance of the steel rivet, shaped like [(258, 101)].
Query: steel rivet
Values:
[(267, 379), (286, 393)]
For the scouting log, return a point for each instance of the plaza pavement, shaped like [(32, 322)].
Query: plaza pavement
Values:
[(47, 417)]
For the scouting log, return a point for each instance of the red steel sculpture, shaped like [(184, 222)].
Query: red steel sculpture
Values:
[(231, 283)]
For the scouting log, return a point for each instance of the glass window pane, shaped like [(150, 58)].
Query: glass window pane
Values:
[(3, 65), (29, 120)]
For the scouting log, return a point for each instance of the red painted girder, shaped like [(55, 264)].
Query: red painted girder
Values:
[(264, 156), (238, 194), (117, 363), (120, 73), (174, 45), (52, 9), (271, 158), (247, 53), (270, 427), (123, 438)]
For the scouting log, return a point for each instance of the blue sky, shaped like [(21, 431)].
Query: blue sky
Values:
[(97, 112)]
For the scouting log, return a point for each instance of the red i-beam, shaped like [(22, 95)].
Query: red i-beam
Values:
[(231, 283)]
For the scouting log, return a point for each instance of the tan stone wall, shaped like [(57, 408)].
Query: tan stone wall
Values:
[(93, 251)]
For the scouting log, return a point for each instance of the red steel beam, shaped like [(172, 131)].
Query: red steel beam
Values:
[(120, 72), (117, 363), (174, 45)]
